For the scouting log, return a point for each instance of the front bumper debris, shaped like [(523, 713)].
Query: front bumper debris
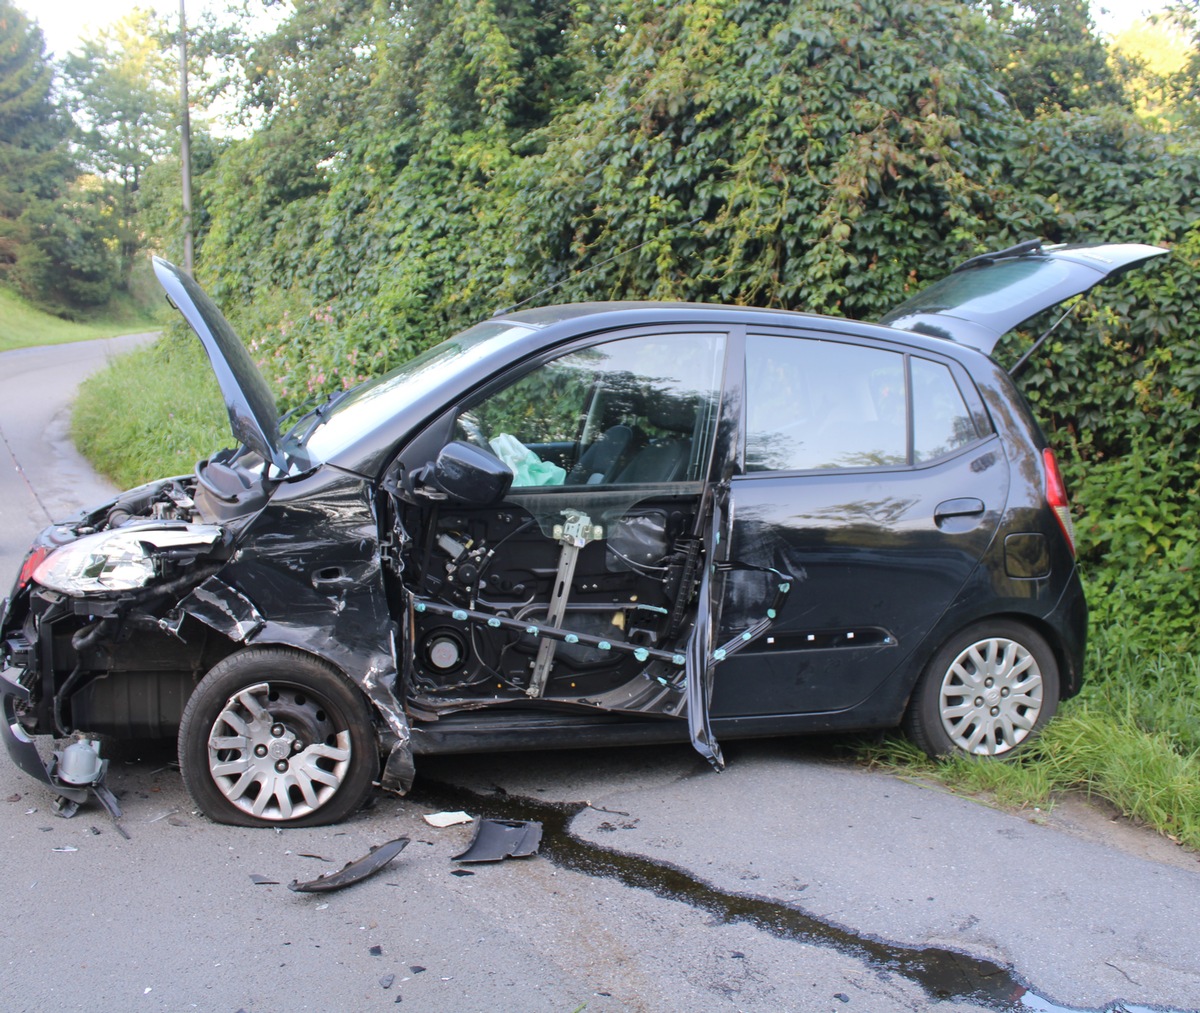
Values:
[(72, 774)]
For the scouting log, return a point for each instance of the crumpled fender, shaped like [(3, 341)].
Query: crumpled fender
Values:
[(371, 667)]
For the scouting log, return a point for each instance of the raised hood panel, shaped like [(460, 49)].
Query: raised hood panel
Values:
[(252, 409), (989, 295)]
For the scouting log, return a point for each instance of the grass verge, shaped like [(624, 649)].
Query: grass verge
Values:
[(24, 326), (1131, 737), (152, 413)]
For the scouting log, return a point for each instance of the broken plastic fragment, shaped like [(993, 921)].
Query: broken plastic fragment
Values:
[(353, 872), (496, 840), (375, 951), (258, 880), (447, 819), (386, 981)]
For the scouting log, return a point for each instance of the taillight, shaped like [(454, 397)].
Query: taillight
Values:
[(1056, 496), (32, 562)]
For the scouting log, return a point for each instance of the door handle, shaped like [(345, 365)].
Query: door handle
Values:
[(331, 578), (966, 507)]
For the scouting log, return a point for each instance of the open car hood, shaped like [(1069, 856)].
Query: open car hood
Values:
[(252, 409), (987, 296)]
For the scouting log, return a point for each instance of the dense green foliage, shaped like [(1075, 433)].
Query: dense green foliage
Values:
[(35, 166)]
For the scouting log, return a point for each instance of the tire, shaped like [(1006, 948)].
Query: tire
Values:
[(275, 737), (987, 692)]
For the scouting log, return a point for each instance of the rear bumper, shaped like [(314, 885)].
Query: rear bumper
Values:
[(1069, 619)]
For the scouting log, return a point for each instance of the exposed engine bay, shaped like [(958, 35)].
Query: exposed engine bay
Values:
[(93, 623)]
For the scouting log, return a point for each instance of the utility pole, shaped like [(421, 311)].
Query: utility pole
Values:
[(185, 145)]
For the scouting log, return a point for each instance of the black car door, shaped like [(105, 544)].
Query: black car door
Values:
[(872, 475)]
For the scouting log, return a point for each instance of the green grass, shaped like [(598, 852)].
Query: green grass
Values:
[(23, 325), (152, 413), (1131, 737)]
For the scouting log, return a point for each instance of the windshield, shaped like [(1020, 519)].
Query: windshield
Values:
[(363, 408)]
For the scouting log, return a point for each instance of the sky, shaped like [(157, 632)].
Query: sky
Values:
[(66, 22)]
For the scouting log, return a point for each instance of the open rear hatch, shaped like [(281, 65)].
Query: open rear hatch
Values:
[(987, 296)]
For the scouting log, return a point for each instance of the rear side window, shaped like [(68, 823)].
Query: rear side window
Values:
[(941, 420), (814, 404)]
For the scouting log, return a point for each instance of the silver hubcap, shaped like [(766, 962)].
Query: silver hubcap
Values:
[(274, 752), (991, 697)]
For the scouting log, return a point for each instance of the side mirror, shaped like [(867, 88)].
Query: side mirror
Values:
[(471, 475)]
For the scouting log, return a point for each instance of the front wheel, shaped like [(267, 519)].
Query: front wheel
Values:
[(990, 689), (274, 737)]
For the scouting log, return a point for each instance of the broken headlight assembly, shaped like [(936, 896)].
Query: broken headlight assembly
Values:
[(119, 560)]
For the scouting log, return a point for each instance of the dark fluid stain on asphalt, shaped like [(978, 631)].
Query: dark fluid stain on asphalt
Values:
[(943, 974)]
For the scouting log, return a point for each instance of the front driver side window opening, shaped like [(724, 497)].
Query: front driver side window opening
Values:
[(633, 411)]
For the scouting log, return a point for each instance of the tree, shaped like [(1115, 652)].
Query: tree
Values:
[(35, 164), (1055, 60), (71, 260), (1186, 82), (121, 91)]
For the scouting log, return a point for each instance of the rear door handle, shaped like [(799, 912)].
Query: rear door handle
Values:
[(966, 507)]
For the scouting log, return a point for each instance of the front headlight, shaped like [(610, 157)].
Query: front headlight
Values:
[(118, 560)]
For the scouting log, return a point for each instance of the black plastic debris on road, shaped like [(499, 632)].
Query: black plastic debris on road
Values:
[(496, 840), (355, 871)]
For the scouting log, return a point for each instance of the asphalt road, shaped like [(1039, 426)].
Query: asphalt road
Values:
[(793, 881)]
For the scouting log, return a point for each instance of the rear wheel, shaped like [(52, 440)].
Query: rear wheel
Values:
[(988, 691), (274, 737)]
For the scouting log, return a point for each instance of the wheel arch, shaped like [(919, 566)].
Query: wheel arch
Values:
[(1069, 662)]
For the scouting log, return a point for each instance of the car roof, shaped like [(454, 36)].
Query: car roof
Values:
[(565, 320)]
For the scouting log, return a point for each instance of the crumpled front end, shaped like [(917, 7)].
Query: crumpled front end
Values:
[(83, 650)]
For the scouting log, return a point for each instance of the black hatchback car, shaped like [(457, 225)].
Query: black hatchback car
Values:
[(577, 525)]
